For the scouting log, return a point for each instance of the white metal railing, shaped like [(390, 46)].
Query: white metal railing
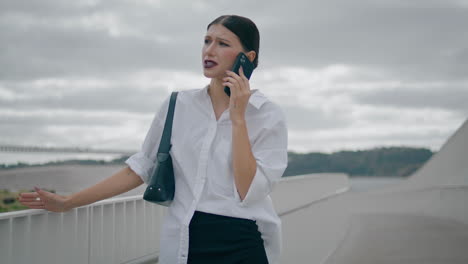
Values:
[(126, 230), (118, 230)]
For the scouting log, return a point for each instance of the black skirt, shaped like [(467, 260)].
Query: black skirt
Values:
[(223, 239)]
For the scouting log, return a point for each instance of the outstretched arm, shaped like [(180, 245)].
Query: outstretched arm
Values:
[(120, 182)]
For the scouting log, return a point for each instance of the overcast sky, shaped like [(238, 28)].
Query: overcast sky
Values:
[(348, 74)]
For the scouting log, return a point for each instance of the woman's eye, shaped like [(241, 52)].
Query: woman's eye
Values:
[(223, 44), (207, 41)]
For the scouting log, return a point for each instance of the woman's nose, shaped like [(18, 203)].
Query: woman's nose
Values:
[(210, 49)]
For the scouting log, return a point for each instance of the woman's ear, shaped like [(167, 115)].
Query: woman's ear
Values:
[(251, 55)]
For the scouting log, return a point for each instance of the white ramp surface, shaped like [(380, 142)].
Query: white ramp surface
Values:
[(403, 239), (424, 220)]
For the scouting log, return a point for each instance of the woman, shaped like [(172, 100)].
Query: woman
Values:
[(228, 152)]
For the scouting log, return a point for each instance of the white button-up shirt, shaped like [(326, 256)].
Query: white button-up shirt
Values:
[(202, 158)]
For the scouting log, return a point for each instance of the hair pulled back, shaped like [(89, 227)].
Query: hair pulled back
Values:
[(245, 29)]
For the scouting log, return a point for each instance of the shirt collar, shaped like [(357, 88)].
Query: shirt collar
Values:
[(257, 99)]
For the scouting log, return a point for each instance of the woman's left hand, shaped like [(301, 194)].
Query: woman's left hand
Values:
[(240, 94)]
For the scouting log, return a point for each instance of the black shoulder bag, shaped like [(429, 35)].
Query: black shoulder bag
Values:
[(161, 186)]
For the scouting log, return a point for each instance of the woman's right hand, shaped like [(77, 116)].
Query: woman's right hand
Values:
[(44, 200), (122, 181)]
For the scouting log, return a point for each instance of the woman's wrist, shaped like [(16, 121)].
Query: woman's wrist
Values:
[(68, 203), (238, 122)]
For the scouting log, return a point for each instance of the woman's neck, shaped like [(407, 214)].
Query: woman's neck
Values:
[(219, 98)]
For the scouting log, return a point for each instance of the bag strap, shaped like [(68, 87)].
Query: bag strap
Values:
[(165, 144)]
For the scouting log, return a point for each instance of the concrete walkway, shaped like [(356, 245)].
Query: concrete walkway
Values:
[(402, 239)]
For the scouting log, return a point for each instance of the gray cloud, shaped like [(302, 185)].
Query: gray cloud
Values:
[(61, 52), (448, 97), (114, 97), (417, 40), (303, 118), (414, 42), (62, 119), (74, 128), (76, 40)]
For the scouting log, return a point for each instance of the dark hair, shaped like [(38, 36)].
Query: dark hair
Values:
[(245, 29)]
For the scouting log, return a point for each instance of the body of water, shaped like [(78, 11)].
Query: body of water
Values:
[(12, 158)]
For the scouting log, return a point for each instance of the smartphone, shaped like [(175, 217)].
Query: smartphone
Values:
[(247, 67)]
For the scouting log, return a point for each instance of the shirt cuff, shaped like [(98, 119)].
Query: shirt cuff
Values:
[(141, 165), (260, 187)]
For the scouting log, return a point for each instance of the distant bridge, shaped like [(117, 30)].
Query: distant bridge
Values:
[(18, 148)]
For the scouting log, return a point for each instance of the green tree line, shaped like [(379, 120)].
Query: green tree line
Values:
[(391, 161)]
